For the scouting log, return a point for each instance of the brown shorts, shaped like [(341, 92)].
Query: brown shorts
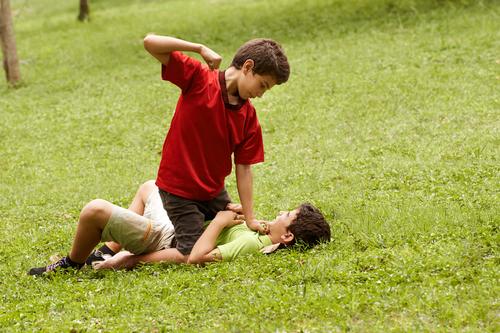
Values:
[(188, 216)]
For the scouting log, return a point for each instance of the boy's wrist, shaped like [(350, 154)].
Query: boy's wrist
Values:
[(258, 225), (199, 48), (221, 222), (252, 222)]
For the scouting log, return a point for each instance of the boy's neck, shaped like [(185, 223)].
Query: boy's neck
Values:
[(232, 77)]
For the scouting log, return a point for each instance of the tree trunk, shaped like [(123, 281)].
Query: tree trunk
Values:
[(84, 10), (2, 45), (8, 44)]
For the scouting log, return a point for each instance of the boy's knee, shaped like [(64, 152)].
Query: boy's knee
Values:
[(148, 186), (97, 209), (146, 189)]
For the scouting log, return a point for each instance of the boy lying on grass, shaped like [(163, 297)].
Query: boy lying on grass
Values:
[(147, 233)]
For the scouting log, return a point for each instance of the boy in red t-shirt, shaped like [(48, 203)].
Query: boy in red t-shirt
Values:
[(213, 119)]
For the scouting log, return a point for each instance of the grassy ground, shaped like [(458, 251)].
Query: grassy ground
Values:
[(389, 124)]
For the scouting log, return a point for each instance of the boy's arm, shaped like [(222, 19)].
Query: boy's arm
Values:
[(244, 182), (203, 251), (160, 47)]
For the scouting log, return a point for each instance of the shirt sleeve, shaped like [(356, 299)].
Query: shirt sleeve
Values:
[(182, 71), (241, 245), (251, 149)]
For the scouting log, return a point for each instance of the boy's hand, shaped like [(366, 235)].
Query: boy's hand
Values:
[(211, 58), (235, 207), (228, 218), (259, 225)]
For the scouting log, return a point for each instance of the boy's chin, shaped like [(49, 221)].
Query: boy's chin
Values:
[(245, 96)]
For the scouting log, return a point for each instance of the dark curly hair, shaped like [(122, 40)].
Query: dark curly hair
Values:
[(309, 226), (268, 57)]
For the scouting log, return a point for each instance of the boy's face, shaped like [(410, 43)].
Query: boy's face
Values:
[(254, 85), (279, 226)]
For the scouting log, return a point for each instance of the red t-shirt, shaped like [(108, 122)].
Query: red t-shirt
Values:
[(204, 132)]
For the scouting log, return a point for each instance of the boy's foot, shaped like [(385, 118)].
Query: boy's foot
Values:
[(99, 255), (61, 266), (96, 257)]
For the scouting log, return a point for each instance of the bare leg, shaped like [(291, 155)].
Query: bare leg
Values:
[(142, 195), (115, 247), (137, 206), (93, 218), (128, 260)]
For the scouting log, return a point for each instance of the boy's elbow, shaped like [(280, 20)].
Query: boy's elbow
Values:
[(194, 261), (150, 42), (191, 259), (147, 42)]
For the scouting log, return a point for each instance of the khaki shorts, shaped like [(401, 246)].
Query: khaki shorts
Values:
[(140, 234)]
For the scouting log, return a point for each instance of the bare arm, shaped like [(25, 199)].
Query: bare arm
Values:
[(203, 251), (160, 47), (244, 181)]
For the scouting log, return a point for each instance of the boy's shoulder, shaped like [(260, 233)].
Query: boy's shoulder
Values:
[(185, 72), (185, 60)]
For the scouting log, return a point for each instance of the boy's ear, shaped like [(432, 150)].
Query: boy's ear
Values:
[(287, 238), (248, 66)]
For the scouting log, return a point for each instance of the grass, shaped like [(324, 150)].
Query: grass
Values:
[(389, 124)]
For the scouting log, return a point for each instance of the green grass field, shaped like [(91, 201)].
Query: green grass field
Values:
[(389, 124)]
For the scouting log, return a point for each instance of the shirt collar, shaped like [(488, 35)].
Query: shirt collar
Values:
[(223, 88)]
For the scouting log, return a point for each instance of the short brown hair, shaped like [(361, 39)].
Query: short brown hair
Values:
[(309, 226), (268, 57)]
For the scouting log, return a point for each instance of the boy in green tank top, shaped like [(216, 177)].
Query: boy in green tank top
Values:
[(146, 231)]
